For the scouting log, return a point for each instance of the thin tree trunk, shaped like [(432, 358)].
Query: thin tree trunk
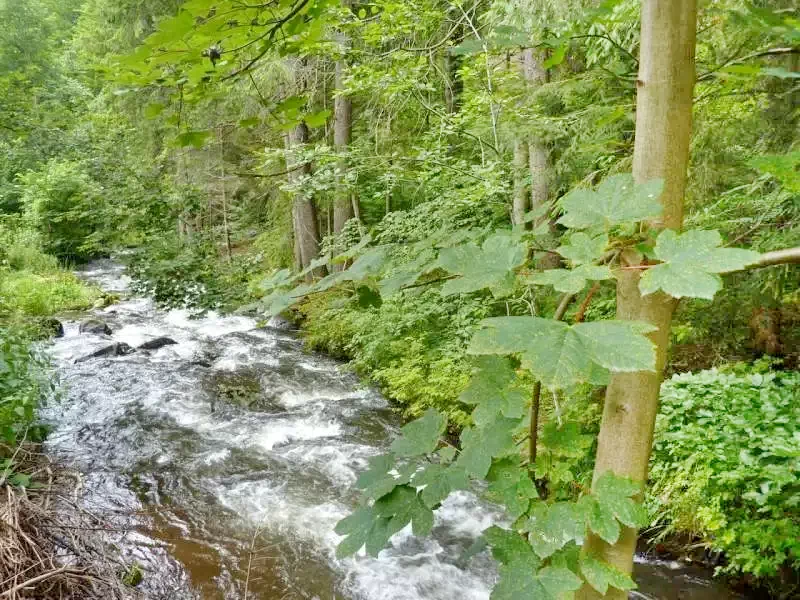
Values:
[(663, 131), (225, 224), (343, 207), (304, 212), (538, 156), (521, 197)]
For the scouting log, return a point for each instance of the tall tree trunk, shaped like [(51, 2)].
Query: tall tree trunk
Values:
[(521, 197), (304, 212), (663, 130), (538, 156), (343, 207)]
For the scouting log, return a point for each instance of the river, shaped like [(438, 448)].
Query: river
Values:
[(224, 461)]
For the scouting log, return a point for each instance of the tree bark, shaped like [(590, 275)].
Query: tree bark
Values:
[(344, 202), (304, 212), (663, 130), (538, 156), (521, 197)]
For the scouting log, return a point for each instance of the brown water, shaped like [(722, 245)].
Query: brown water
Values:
[(228, 457)]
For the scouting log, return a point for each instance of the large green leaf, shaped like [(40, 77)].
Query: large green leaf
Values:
[(510, 547), (439, 481), (618, 199), (511, 485), (552, 526), (583, 248), (561, 355), (494, 389), (362, 527), (421, 436), (571, 281), (379, 479), (480, 445), (600, 575), (490, 266), (403, 506), (518, 581), (617, 494), (690, 263)]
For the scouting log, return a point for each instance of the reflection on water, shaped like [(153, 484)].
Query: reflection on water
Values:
[(233, 453)]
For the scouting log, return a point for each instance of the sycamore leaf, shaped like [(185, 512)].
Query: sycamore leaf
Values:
[(362, 527), (152, 110), (616, 200), (511, 485), (378, 480), (494, 389), (480, 445), (560, 355), (565, 440), (317, 119), (600, 575), (509, 547), (616, 493), (690, 263), (196, 139), (518, 580), (403, 506), (408, 274), (420, 437), (600, 519), (583, 248), (571, 281), (488, 266), (368, 264), (553, 526), (439, 481)]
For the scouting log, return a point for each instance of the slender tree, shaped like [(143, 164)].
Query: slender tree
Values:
[(344, 207), (663, 128)]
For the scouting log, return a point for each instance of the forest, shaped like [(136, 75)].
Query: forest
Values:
[(393, 300)]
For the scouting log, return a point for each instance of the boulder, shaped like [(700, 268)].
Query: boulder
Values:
[(157, 343), (115, 349), (95, 326), (52, 327)]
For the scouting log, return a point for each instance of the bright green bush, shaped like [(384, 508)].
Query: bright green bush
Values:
[(39, 295), (65, 206), (22, 384), (726, 465)]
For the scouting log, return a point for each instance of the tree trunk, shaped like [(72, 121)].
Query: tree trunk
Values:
[(521, 196), (304, 212), (343, 207), (663, 130), (538, 156)]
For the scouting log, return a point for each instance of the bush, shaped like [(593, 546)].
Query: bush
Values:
[(65, 205), (41, 295), (726, 465), (22, 384)]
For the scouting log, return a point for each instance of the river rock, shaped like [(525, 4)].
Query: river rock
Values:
[(157, 343), (115, 349), (53, 327), (95, 326)]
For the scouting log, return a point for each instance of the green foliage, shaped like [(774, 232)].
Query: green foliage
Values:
[(725, 465), (65, 206), (22, 385), (690, 263), (560, 355)]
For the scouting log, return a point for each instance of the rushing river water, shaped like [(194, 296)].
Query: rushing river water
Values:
[(226, 459)]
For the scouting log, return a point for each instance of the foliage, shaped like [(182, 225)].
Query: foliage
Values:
[(65, 206), (725, 465), (22, 384)]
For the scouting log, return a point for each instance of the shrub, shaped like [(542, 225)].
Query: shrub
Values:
[(40, 295), (22, 384), (65, 206), (726, 465)]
